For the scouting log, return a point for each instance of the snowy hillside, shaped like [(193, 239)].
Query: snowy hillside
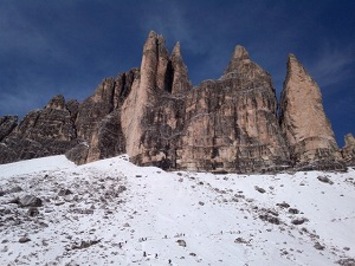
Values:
[(112, 212)]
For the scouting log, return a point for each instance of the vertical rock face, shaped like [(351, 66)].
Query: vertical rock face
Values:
[(142, 99), (231, 123), (95, 108), (304, 123), (348, 151), (98, 120), (152, 115)]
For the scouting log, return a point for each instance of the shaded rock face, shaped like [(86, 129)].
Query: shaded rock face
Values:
[(7, 124), (304, 123), (348, 151), (99, 134), (53, 122), (153, 114), (41, 133), (78, 153), (107, 140)]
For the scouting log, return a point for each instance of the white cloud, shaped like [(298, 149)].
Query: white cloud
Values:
[(174, 25), (18, 34), (21, 103), (331, 65)]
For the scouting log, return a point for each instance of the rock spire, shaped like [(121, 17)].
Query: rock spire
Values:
[(304, 123)]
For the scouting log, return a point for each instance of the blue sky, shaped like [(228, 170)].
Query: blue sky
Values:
[(67, 47)]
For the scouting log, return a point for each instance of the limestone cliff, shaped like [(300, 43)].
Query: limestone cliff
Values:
[(304, 123), (153, 114)]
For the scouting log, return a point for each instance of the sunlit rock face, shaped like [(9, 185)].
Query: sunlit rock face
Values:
[(231, 123), (304, 123), (152, 118), (224, 125)]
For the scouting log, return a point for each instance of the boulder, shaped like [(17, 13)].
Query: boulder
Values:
[(29, 201)]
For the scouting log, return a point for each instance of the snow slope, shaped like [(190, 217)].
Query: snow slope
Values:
[(112, 212)]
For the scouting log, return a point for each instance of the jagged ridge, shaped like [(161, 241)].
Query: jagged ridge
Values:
[(153, 114)]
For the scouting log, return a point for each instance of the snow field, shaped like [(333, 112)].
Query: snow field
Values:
[(119, 214)]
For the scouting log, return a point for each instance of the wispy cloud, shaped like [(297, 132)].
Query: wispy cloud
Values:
[(18, 35), (174, 25), (331, 64), (22, 103)]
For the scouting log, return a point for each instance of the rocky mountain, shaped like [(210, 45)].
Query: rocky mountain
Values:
[(153, 114)]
